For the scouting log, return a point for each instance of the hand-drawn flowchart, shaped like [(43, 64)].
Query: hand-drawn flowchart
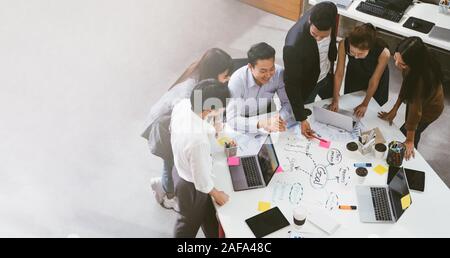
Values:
[(312, 174)]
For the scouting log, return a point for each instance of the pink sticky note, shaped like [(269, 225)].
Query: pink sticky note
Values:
[(325, 144), (279, 170), (234, 161)]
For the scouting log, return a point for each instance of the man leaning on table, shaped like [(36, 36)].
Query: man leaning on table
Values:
[(252, 89), (309, 54), (194, 125)]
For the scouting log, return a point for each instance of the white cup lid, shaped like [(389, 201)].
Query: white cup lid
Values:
[(300, 213)]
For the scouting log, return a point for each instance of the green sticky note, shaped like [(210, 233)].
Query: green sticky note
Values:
[(264, 206), (381, 170), (406, 202)]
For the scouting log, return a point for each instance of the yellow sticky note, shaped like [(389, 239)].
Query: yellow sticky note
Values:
[(263, 206), (380, 170), (406, 202)]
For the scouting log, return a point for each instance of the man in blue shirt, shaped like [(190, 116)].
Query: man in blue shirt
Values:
[(252, 89)]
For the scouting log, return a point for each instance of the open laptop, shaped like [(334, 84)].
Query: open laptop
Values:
[(378, 204), (343, 119), (255, 171)]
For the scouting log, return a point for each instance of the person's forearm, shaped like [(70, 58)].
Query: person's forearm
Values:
[(397, 104), (213, 192), (297, 104), (410, 136), (371, 89), (338, 77), (298, 109), (237, 121), (286, 112)]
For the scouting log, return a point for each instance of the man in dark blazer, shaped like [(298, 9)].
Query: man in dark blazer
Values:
[(309, 55)]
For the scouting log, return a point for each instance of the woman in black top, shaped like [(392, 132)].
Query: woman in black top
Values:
[(367, 67)]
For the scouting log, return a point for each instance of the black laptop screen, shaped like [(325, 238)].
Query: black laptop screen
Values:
[(268, 160), (398, 188)]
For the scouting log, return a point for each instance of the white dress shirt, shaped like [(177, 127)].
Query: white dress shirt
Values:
[(191, 144), (248, 99), (324, 47)]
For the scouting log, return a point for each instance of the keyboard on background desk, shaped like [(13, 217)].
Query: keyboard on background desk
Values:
[(379, 11)]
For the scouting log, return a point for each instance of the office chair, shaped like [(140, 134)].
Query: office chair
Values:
[(238, 63)]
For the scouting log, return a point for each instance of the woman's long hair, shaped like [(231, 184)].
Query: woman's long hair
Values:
[(214, 62), (423, 67)]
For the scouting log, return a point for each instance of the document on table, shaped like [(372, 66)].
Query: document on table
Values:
[(336, 134)]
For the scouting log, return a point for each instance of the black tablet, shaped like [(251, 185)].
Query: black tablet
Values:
[(267, 222), (419, 25), (416, 179)]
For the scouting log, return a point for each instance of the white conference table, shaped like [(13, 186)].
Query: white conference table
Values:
[(428, 216), (424, 11)]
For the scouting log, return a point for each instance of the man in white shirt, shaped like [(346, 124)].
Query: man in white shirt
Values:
[(252, 89), (194, 125)]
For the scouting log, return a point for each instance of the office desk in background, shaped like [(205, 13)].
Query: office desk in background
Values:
[(427, 216), (424, 11), (290, 9)]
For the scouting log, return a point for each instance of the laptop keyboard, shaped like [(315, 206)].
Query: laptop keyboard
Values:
[(381, 204), (251, 171)]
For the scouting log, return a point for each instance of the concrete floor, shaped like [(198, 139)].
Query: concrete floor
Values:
[(77, 81)]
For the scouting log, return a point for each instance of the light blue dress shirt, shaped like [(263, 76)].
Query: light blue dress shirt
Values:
[(249, 101)]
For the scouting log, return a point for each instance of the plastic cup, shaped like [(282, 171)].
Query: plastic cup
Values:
[(300, 214)]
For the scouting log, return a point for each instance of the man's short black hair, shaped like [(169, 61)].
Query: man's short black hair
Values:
[(209, 94), (323, 16), (260, 51)]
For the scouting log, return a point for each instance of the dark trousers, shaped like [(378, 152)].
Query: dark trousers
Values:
[(196, 210), (166, 178), (418, 133)]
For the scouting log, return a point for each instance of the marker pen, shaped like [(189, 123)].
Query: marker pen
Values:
[(363, 165), (347, 207)]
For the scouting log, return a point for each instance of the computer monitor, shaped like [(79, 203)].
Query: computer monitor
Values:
[(268, 160)]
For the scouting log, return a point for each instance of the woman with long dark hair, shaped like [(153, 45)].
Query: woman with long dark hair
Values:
[(214, 64), (421, 90)]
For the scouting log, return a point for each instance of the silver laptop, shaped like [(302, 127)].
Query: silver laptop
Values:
[(440, 33), (343, 119), (255, 171), (383, 204)]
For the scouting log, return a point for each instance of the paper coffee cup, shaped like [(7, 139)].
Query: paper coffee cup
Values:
[(300, 214), (361, 174), (352, 146), (379, 150)]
